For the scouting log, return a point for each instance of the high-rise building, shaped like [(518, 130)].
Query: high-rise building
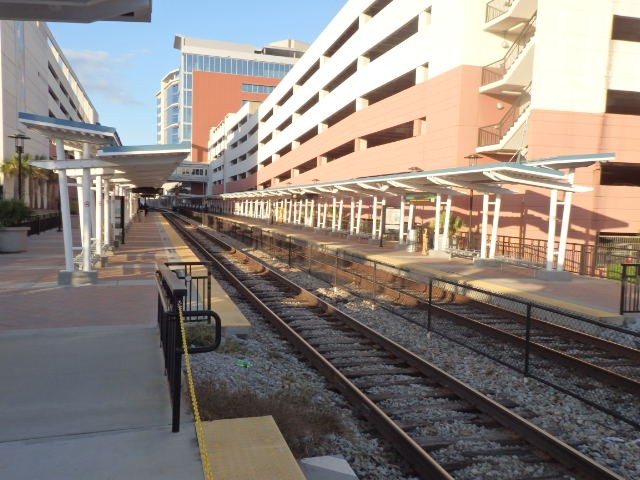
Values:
[(36, 78), (216, 78), (397, 85)]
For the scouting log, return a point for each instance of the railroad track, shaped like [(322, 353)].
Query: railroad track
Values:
[(600, 372), (424, 412)]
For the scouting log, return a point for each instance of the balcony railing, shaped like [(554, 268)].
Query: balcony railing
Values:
[(497, 70), (492, 134), (496, 8)]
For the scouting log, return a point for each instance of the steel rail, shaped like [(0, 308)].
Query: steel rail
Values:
[(415, 455)]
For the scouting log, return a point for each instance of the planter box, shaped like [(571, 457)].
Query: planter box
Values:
[(13, 239)]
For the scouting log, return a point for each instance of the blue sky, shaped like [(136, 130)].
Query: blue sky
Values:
[(121, 64)]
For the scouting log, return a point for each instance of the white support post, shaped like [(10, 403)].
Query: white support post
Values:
[(86, 232), (340, 215), (494, 227), (436, 233), (411, 215), (324, 216), (64, 209), (333, 215), (106, 199), (99, 214), (291, 207), (319, 219), (359, 221), (352, 218), (564, 228), (551, 235), (447, 221), (86, 153), (374, 214), (401, 230), (485, 225), (312, 205), (300, 213), (382, 211)]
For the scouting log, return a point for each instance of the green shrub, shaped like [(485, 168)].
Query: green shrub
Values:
[(13, 212)]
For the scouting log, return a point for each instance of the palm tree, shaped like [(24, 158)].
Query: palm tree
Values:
[(10, 168)]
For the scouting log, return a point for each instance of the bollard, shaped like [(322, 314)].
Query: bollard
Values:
[(425, 241)]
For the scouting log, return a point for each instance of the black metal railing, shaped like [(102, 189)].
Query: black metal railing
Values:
[(498, 69), (41, 223), (174, 291), (630, 288), (518, 352), (495, 8), (492, 134)]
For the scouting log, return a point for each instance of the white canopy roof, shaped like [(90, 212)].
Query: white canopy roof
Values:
[(491, 178)]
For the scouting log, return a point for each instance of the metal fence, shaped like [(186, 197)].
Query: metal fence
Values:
[(41, 223), (515, 350), (630, 288), (175, 290)]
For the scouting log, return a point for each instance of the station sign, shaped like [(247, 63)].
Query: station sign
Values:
[(420, 197)]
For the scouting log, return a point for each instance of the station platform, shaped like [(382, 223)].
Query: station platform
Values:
[(84, 393), (595, 298)]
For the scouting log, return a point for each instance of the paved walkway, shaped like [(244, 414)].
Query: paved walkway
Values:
[(83, 389), (593, 297)]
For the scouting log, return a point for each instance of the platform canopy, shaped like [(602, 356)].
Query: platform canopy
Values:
[(141, 166), (145, 165), (489, 178), (80, 11), (74, 134)]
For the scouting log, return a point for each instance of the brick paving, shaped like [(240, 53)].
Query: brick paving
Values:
[(125, 292)]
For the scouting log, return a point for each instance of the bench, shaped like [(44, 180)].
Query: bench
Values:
[(456, 252)]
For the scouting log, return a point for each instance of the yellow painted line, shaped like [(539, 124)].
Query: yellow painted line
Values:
[(249, 448)]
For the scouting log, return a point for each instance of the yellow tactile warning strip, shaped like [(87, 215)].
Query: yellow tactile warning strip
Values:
[(249, 448), (233, 320)]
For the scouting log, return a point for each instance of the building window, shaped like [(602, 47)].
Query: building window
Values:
[(620, 174), (253, 88), (623, 102), (625, 28)]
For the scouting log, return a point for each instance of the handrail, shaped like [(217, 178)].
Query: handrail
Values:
[(492, 134), (497, 70), (493, 11)]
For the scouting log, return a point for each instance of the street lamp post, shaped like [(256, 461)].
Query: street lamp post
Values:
[(473, 159), (19, 141)]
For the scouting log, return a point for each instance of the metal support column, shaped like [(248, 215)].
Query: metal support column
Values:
[(564, 227), (485, 225), (86, 219), (436, 233), (447, 221), (551, 235), (64, 209), (99, 215), (494, 227), (374, 213), (401, 229)]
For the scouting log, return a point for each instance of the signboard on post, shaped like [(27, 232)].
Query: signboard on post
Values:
[(420, 198)]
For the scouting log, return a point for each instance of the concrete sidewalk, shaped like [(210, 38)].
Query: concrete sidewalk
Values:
[(83, 388)]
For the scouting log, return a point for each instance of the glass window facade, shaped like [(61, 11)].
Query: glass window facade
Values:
[(173, 94), (253, 88), (234, 66)]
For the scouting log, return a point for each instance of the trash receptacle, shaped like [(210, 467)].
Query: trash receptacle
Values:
[(412, 238)]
